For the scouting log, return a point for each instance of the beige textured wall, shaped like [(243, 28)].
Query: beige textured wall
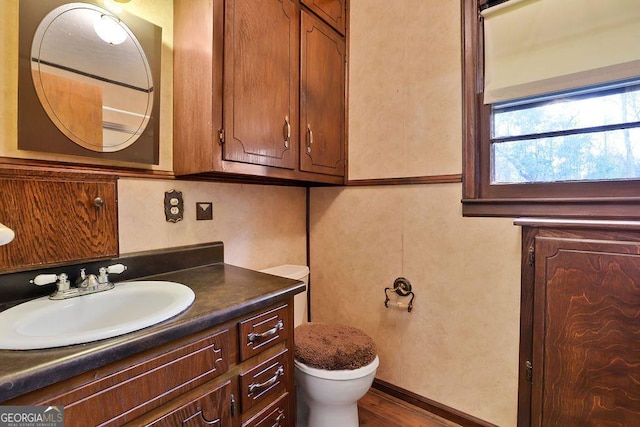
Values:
[(261, 226), (459, 346), (159, 12), (404, 88)]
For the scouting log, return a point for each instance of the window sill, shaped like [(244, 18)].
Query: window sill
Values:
[(587, 208)]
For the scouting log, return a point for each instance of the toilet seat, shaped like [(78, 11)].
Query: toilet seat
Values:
[(338, 375), (334, 347)]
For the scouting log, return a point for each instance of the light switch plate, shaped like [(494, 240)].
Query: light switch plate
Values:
[(204, 211)]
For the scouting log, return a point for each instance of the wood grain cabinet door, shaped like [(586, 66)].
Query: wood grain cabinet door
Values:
[(586, 335), (261, 75), (57, 218), (197, 85), (322, 94), (332, 12)]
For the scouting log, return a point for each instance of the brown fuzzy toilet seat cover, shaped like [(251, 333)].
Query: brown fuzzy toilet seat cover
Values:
[(333, 347)]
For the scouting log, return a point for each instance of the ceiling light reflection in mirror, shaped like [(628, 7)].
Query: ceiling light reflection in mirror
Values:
[(92, 77), (108, 28)]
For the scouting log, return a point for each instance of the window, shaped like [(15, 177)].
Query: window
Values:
[(584, 135), (551, 131)]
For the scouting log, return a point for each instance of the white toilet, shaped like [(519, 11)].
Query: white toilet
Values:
[(329, 397)]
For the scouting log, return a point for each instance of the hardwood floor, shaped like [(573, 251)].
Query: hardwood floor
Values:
[(377, 409)]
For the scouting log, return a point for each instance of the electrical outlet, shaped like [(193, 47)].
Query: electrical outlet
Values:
[(204, 211), (173, 206)]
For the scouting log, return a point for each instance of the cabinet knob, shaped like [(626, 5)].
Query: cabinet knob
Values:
[(98, 202)]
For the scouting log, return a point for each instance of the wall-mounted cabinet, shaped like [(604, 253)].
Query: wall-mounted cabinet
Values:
[(58, 217), (239, 89)]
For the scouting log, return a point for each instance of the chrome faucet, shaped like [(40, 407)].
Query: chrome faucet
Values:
[(86, 282), (84, 285)]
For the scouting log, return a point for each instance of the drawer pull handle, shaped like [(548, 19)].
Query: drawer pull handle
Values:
[(271, 381), (310, 143), (287, 132), (280, 418), (255, 337)]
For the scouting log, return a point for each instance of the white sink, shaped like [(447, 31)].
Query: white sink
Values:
[(130, 306)]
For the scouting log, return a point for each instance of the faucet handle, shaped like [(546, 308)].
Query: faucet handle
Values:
[(112, 269), (116, 268), (45, 279)]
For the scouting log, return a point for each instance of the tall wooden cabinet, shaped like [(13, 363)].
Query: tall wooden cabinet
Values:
[(580, 327), (244, 104)]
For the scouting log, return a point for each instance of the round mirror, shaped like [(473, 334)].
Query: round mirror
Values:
[(92, 77)]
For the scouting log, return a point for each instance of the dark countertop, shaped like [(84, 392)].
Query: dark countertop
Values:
[(223, 292)]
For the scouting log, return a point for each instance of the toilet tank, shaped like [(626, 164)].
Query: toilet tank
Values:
[(297, 272)]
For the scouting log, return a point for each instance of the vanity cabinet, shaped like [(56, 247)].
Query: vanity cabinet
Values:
[(199, 380), (57, 217), (579, 353), (237, 93)]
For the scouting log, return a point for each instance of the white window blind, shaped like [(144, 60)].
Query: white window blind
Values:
[(534, 47)]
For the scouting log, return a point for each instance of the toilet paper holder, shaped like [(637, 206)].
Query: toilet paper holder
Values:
[(402, 287)]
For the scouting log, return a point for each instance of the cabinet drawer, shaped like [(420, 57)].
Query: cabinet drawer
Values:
[(266, 381), (127, 394), (263, 331), (211, 408), (274, 415)]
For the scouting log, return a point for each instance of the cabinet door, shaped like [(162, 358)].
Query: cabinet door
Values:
[(57, 218), (586, 356), (261, 82), (331, 11), (130, 392), (322, 93), (197, 85)]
